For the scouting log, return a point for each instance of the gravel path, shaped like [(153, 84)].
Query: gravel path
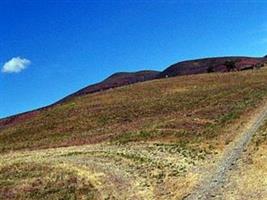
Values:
[(209, 186)]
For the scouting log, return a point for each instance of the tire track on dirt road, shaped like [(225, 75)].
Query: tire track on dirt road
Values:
[(207, 189)]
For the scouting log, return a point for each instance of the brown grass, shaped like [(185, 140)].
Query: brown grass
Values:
[(130, 171), (32, 180), (248, 180), (190, 108), (153, 140)]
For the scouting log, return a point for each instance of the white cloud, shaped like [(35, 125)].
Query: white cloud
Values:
[(15, 65)]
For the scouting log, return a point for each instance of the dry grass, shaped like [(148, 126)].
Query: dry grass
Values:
[(130, 171), (32, 180), (187, 109), (249, 179), (151, 140)]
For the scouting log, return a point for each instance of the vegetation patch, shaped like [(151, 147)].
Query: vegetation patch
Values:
[(197, 108), (36, 181)]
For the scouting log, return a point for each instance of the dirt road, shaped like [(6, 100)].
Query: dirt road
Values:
[(208, 188)]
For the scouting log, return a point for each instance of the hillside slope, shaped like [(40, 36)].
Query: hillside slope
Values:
[(194, 105), (150, 140), (197, 66), (116, 80)]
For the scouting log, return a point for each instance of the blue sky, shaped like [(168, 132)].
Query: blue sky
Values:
[(62, 46)]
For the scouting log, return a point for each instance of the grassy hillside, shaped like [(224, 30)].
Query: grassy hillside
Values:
[(151, 140), (190, 108)]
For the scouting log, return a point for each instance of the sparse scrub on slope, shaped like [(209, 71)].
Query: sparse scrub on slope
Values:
[(192, 108)]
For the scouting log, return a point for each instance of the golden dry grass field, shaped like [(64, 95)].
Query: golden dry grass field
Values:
[(151, 140)]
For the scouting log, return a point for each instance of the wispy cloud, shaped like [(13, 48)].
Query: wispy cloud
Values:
[(15, 65)]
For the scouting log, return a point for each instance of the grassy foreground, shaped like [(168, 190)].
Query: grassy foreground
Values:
[(152, 140), (130, 171), (32, 180)]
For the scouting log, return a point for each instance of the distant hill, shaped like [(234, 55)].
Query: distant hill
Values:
[(113, 81), (198, 66), (116, 80), (206, 65)]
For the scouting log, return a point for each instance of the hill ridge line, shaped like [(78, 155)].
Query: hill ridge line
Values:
[(184, 67)]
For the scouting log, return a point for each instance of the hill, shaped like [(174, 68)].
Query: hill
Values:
[(106, 115), (149, 140), (206, 65), (116, 80)]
